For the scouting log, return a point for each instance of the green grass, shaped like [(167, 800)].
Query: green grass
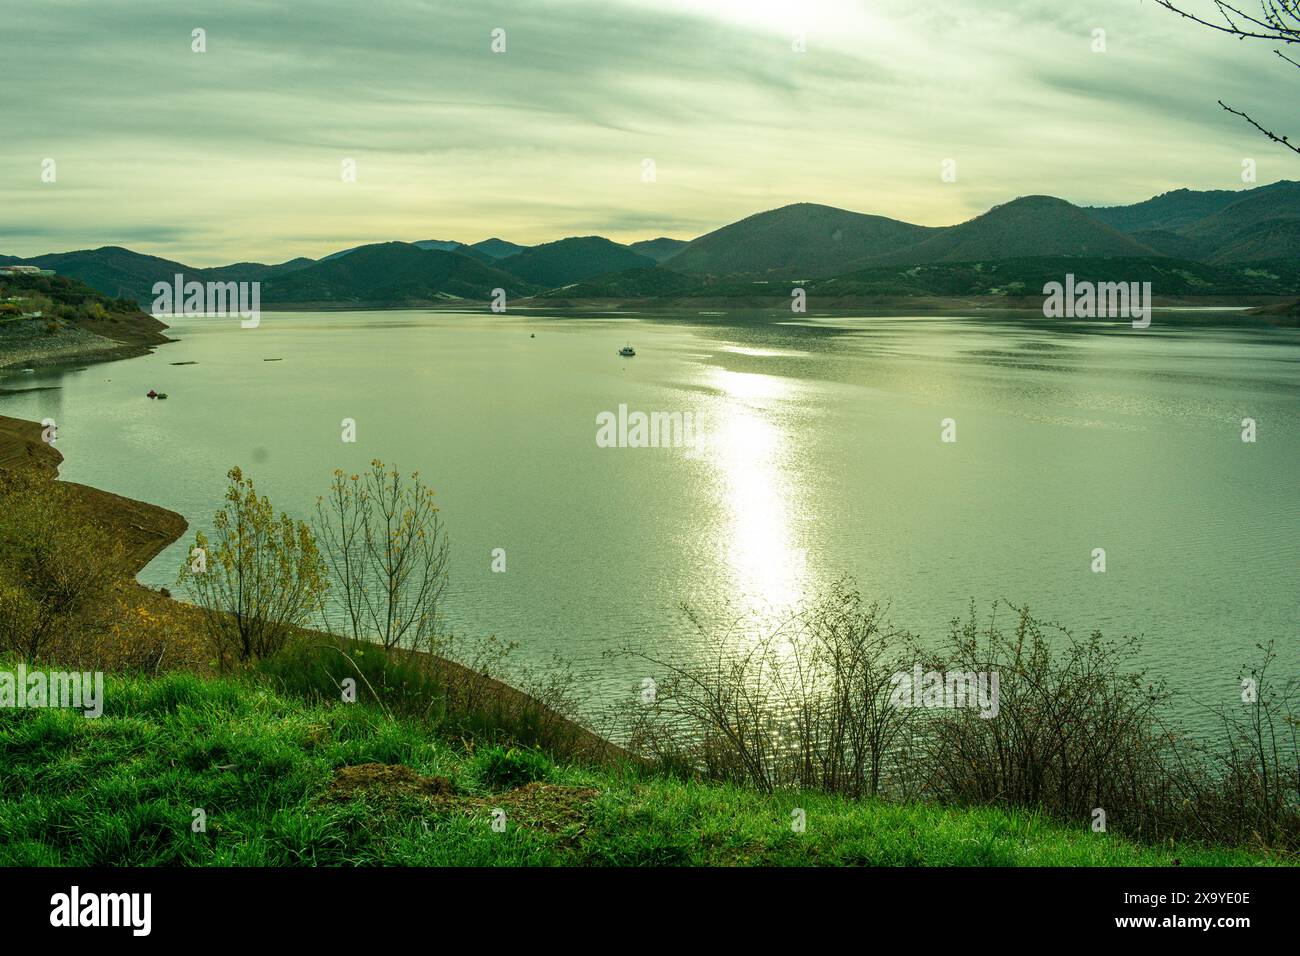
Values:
[(120, 790)]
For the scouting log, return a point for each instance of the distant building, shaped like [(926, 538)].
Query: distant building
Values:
[(25, 271)]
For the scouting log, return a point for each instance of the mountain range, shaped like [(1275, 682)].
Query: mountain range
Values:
[(1204, 242)]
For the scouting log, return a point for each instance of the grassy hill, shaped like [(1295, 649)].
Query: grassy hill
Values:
[(1219, 226), (1256, 243), (555, 264), (634, 284), (1028, 226), (1174, 244), (998, 277), (390, 273), (114, 271), (498, 248), (254, 271), (801, 240), (658, 249), (1169, 211), (122, 273), (282, 782), (1027, 276), (1261, 225)]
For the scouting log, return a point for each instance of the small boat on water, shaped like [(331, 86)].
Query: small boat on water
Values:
[(627, 351), (151, 394)]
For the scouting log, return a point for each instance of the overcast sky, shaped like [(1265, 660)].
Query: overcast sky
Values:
[(236, 153)]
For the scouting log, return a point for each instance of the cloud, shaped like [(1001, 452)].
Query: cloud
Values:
[(236, 153)]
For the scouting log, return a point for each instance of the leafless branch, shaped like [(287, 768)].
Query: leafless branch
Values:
[(1273, 136), (1277, 22)]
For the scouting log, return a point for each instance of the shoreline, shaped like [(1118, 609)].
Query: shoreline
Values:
[(27, 344), (845, 304), (146, 530), (1245, 312), (74, 355)]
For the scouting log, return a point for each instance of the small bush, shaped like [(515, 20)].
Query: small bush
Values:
[(505, 769)]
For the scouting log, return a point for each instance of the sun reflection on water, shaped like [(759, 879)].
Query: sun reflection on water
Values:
[(750, 450)]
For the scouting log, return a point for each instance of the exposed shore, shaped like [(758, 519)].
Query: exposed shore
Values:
[(27, 343), (145, 530)]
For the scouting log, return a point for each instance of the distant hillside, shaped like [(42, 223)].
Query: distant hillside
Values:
[(633, 284), (1218, 226), (476, 254), (340, 254), (1028, 226), (802, 240), (119, 272), (498, 248), (1026, 276), (391, 273), (1175, 244), (253, 271), (444, 245), (1257, 243), (1236, 232), (658, 249), (114, 271), (572, 260), (1014, 277), (405, 272), (1168, 211)]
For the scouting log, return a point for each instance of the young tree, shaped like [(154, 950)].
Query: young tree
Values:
[(258, 579), (387, 553)]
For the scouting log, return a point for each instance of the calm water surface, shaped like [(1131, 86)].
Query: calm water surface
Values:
[(821, 457)]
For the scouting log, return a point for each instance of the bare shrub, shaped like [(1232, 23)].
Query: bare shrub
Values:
[(1244, 787), (805, 705), (387, 553), (1077, 727)]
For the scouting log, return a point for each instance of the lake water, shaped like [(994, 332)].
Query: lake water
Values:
[(821, 456)]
